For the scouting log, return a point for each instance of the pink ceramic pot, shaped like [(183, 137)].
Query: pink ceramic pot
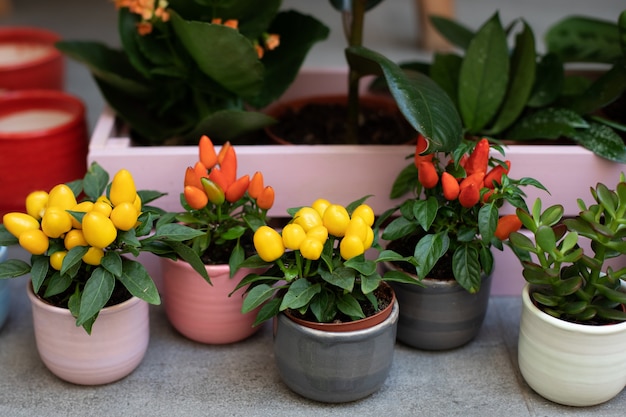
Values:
[(29, 59), (43, 142), (116, 346), (202, 312)]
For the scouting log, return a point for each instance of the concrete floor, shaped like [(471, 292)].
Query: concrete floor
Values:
[(181, 377)]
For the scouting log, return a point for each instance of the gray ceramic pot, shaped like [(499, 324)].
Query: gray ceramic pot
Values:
[(334, 367), (441, 315)]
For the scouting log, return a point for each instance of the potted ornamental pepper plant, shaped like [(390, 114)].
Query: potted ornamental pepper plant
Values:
[(450, 225), (225, 209), (573, 326), (335, 315), (196, 67), (87, 293)]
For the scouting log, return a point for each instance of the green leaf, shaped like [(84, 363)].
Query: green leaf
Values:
[(545, 238), (429, 250), (399, 276), (549, 123), (422, 102), (606, 89), (549, 80), (176, 232), (39, 270), (341, 277), (257, 296), (522, 78), (398, 228), (484, 75), (13, 268), (487, 221), (348, 305), (457, 34), (73, 258), (95, 181), (239, 71), (188, 255), (404, 182), (6, 238), (603, 141), (96, 294), (466, 268), (299, 294), (370, 282), (138, 282), (228, 124), (267, 311), (323, 306), (445, 71), (57, 284), (584, 39), (425, 212)]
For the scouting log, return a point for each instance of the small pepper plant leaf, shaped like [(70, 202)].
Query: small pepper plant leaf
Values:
[(342, 277), (466, 267), (98, 290), (424, 104), (429, 250), (299, 294), (138, 282), (484, 75), (348, 305), (39, 269), (257, 296), (13, 268), (267, 311)]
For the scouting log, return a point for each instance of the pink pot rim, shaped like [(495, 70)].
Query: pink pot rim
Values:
[(34, 298), (30, 35), (19, 100), (566, 325)]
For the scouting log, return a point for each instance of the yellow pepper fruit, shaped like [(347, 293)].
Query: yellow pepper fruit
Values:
[(74, 238), (84, 207), (320, 205), (34, 241), (366, 213), (61, 196), (124, 216), (98, 229), (93, 256), (268, 243), (17, 223), (307, 217), (336, 220), (351, 246), (319, 233), (36, 203), (56, 222), (123, 188), (311, 248), (293, 234), (56, 259)]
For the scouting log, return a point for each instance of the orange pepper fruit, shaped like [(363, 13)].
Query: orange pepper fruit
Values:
[(208, 156), (506, 225), (495, 175), (469, 196), (450, 186), (256, 185), (479, 158), (195, 197), (265, 201), (427, 174), (237, 189)]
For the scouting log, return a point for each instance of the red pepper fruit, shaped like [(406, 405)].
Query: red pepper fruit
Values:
[(427, 174), (265, 201), (208, 157), (495, 175), (506, 225), (195, 197), (256, 185), (476, 178), (479, 158), (469, 196), (450, 186), (421, 146), (487, 196), (237, 189)]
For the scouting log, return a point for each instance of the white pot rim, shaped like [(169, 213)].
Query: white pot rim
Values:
[(566, 325)]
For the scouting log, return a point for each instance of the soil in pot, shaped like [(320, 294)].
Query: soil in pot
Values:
[(325, 123)]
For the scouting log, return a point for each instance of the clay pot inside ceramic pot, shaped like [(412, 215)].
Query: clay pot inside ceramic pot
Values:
[(335, 366), (29, 59), (322, 120), (43, 142)]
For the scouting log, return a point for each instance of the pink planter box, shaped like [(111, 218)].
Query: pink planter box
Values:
[(343, 173)]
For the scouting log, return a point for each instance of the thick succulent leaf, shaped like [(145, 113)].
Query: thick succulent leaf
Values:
[(549, 79), (239, 71), (422, 102), (550, 123), (484, 75), (455, 33), (522, 78), (298, 33), (603, 141), (584, 39)]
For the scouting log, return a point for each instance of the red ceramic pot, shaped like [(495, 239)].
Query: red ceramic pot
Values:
[(29, 59), (43, 142)]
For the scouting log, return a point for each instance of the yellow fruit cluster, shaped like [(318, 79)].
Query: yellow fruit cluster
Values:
[(48, 216)]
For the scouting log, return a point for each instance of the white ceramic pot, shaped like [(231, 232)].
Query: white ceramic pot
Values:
[(569, 363), (202, 312), (116, 346)]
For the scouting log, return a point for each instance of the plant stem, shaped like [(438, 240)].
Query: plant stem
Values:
[(355, 38)]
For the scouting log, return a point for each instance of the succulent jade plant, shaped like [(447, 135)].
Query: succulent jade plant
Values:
[(521, 95), (566, 262)]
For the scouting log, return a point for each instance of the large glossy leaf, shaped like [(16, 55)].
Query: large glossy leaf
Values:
[(549, 78), (226, 125), (522, 78), (549, 123), (584, 39), (606, 89), (298, 33), (239, 71), (422, 102), (457, 34), (603, 141), (428, 251), (484, 75), (445, 71)]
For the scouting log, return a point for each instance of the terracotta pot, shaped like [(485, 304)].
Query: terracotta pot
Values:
[(5, 291), (335, 366), (380, 104), (440, 315), (202, 312), (43, 142), (568, 363), (29, 59), (116, 346)]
